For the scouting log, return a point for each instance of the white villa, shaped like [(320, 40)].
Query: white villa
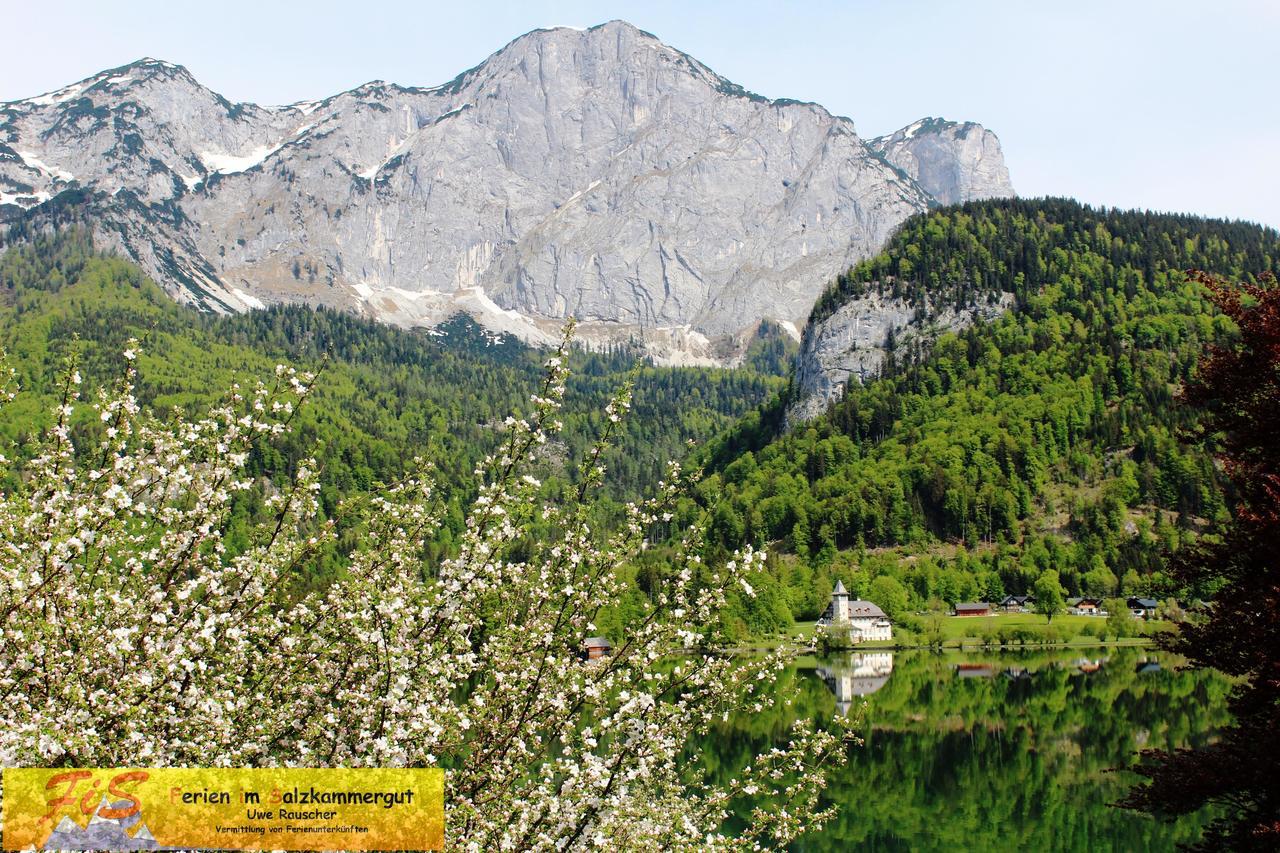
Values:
[(865, 619)]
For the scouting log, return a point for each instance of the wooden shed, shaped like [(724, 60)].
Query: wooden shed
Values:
[(596, 647)]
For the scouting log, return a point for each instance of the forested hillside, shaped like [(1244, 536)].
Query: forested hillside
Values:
[(1050, 438), (384, 396), (1046, 439)]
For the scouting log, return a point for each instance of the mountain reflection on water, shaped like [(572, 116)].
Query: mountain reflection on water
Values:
[(990, 750)]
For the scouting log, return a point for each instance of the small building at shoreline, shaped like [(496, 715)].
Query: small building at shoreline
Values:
[(1084, 606), (1017, 603), (1143, 608)]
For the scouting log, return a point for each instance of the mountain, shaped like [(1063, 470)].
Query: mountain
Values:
[(952, 162), (919, 289), (596, 173), (1048, 436)]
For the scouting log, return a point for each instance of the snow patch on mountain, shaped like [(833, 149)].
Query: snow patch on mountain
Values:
[(36, 163), (24, 200), (251, 301), (229, 164)]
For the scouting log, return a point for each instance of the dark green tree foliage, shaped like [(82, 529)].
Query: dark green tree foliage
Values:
[(963, 253), (385, 395), (1239, 386), (1045, 439)]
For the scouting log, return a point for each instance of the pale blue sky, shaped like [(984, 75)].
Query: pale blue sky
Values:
[(1140, 103)]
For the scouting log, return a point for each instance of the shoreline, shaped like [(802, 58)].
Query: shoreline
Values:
[(950, 645)]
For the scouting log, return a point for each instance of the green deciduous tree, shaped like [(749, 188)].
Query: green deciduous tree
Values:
[(1048, 593), (1120, 622), (1099, 580), (890, 594)]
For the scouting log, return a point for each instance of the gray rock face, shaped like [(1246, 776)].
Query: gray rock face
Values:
[(598, 173), (851, 344), (950, 161)]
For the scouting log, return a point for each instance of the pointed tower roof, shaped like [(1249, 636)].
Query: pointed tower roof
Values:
[(839, 590)]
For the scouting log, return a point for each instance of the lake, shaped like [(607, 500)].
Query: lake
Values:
[(992, 750)]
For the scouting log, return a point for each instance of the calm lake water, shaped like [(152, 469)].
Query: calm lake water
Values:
[(993, 751)]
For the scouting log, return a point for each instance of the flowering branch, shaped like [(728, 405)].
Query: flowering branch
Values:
[(130, 634)]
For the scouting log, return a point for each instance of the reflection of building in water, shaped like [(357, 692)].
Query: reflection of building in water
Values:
[(856, 675), (975, 670)]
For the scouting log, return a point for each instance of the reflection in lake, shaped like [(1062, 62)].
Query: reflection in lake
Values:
[(990, 751), (854, 675)]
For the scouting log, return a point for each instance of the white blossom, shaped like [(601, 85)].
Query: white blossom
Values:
[(130, 635)]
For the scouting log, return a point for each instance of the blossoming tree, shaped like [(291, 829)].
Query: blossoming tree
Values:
[(130, 635)]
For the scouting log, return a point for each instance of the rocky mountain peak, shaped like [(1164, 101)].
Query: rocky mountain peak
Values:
[(952, 161), (598, 173), (150, 67), (104, 81)]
